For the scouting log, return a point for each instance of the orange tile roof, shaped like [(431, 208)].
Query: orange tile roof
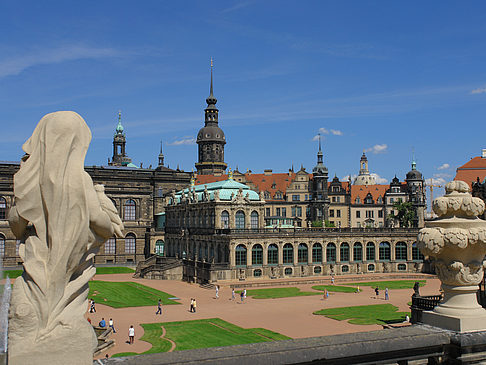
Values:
[(472, 170), (362, 191)]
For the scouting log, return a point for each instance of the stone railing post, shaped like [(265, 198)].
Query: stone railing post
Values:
[(457, 242)]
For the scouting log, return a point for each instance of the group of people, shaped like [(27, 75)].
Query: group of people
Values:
[(192, 309), (377, 293)]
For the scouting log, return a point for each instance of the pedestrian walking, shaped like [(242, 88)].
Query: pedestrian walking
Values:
[(111, 325), (217, 291), (92, 308), (233, 294), (377, 292), (159, 308), (332, 279), (191, 309), (357, 289), (241, 296), (131, 335), (244, 293), (324, 295), (386, 294), (194, 305)]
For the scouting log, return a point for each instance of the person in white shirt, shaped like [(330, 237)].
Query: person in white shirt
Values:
[(131, 335)]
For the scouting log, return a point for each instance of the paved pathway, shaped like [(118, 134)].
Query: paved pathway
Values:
[(289, 316)]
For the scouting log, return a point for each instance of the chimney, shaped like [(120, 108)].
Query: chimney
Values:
[(267, 172), (483, 154)]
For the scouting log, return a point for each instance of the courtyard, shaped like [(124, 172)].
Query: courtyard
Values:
[(282, 316)]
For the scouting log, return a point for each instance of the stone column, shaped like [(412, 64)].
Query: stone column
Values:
[(280, 253), (457, 241), (265, 254)]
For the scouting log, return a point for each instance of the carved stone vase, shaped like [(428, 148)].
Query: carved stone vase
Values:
[(457, 242)]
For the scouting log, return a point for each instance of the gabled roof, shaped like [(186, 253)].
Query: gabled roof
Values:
[(472, 170), (362, 191)]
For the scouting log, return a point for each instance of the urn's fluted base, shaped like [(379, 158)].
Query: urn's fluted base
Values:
[(454, 323)]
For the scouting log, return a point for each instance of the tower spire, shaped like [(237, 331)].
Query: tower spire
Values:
[(319, 153), (211, 100), (161, 155)]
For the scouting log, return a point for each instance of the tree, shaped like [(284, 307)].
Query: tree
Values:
[(316, 223), (405, 213)]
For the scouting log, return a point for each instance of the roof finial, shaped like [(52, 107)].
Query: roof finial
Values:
[(160, 146), (319, 141), (211, 88), (230, 174), (119, 127), (414, 164), (211, 100)]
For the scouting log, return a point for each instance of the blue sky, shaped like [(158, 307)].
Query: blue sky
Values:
[(385, 76)]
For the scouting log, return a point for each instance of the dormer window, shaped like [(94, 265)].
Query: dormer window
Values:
[(358, 200), (274, 186), (267, 195), (379, 200), (278, 195)]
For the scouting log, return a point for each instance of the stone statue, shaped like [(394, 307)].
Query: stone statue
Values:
[(416, 289), (457, 242), (64, 219)]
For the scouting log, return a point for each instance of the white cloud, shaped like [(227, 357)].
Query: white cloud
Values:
[(479, 90), (346, 178), (15, 65), (379, 179), (323, 131), (444, 166), (183, 141), (436, 181), (336, 132), (378, 148), (316, 137)]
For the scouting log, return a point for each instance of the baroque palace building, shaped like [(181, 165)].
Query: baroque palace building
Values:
[(212, 225)]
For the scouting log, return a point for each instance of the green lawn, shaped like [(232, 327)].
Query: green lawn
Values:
[(392, 284), (366, 314), (12, 273), (201, 333), (126, 294), (336, 288), (277, 293), (114, 270)]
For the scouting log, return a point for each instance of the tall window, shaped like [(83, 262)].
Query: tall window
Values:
[(302, 254), (257, 255), (401, 251), (240, 255), (370, 251), (225, 219), (129, 210), (344, 252), (2, 245), (272, 254), (317, 252), (240, 220), (110, 246), (254, 219), (288, 254), (130, 243), (159, 248), (358, 252), (384, 251), (3, 208), (416, 254), (331, 252)]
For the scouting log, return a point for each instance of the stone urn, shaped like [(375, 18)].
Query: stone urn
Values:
[(457, 242)]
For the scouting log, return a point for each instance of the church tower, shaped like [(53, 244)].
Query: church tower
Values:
[(320, 200), (211, 139), (416, 194), (119, 140), (364, 177)]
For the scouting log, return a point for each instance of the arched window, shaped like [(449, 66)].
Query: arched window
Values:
[(257, 255), (224, 219), (401, 251), (3, 208), (110, 246), (344, 252), (130, 243), (240, 220), (254, 219), (331, 252), (302, 254), (159, 248), (416, 254), (317, 252), (288, 254), (384, 254), (129, 210), (2, 245), (272, 254), (240, 255), (200, 252), (370, 251), (357, 252)]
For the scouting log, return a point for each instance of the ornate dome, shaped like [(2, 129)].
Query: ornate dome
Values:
[(211, 133), (414, 174)]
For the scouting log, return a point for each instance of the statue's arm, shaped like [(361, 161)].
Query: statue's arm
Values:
[(99, 221), (18, 224)]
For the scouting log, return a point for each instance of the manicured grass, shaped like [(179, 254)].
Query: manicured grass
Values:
[(392, 284), (123, 354), (366, 314), (126, 294), (336, 288), (12, 273), (277, 293), (201, 333), (114, 270)]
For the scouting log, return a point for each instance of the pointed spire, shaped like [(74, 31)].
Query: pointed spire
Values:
[(119, 127), (414, 164), (319, 154), (161, 155), (211, 100)]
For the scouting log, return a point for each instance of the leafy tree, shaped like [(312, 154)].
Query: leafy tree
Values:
[(329, 224), (405, 213), (316, 224)]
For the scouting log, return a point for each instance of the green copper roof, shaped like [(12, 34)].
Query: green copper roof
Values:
[(119, 127), (131, 165), (227, 189)]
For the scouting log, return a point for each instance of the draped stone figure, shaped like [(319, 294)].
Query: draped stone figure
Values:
[(62, 220)]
